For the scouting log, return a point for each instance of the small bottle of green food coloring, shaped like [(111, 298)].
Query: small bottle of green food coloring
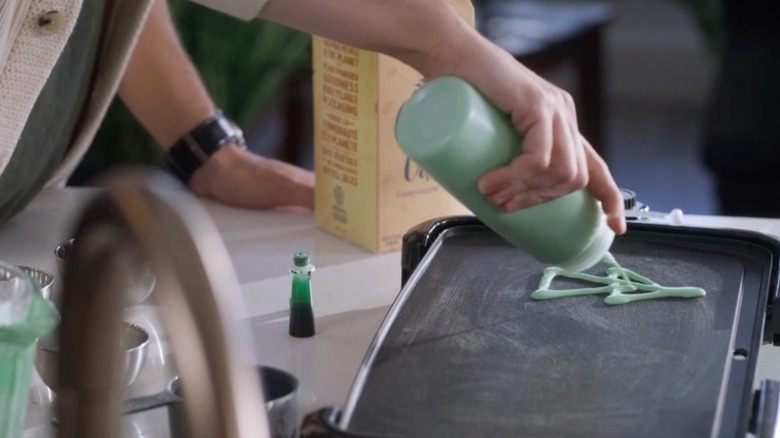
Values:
[(455, 134), (301, 313)]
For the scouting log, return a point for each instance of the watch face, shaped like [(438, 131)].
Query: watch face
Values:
[(235, 134), (215, 133)]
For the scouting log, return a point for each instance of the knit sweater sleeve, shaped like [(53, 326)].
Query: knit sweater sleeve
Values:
[(45, 30)]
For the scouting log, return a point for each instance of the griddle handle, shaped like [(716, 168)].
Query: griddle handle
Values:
[(765, 410), (419, 239), (323, 423)]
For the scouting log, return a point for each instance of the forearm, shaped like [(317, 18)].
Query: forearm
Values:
[(161, 87), (163, 90), (428, 35), (414, 31)]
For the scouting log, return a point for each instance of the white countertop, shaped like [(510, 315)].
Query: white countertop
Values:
[(352, 290)]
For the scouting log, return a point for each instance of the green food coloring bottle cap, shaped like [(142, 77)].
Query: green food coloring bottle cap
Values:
[(301, 259)]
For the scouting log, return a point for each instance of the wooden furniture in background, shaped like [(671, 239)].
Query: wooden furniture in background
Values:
[(545, 34)]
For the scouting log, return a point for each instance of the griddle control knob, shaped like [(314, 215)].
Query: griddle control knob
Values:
[(637, 211), (629, 199), (634, 209)]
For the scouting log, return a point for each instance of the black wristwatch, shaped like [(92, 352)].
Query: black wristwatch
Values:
[(194, 149)]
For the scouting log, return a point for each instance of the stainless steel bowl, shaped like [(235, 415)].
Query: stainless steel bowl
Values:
[(134, 343), (280, 391), (140, 282), (41, 278)]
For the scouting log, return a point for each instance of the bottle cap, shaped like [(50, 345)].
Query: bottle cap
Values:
[(301, 259)]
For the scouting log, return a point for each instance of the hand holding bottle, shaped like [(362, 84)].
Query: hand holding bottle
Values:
[(556, 159), (457, 135), (430, 36)]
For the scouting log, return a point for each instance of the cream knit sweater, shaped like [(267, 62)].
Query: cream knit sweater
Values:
[(34, 51)]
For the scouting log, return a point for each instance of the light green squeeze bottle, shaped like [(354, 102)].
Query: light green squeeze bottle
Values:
[(456, 135)]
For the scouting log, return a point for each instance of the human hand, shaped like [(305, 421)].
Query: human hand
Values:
[(239, 178), (527, 182), (555, 159), (552, 162)]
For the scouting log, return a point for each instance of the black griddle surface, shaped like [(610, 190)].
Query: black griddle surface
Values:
[(466, 351)]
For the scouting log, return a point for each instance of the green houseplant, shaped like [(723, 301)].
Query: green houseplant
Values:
[(243, 65)]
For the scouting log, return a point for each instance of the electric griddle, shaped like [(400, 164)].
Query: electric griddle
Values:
[(465, 351)]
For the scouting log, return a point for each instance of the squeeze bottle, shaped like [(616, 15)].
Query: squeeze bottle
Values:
[(455, 134)]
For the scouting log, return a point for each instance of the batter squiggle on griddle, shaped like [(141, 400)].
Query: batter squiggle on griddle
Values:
[(623, 286)]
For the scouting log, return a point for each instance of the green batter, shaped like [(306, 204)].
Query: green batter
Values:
[(622, 285)]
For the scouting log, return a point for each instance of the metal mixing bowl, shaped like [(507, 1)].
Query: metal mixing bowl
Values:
[(139, 284), (134, 342), (280, 391), (41, 278)]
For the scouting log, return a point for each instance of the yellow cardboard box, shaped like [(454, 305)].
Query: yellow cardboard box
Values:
[(367, 191)]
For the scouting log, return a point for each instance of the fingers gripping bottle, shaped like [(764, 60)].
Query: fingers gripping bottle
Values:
[(456, 135)]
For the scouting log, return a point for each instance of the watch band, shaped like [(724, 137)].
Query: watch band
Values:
[(194, 148)]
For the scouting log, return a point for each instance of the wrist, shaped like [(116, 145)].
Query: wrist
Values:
[(228, 160), (194, 149)]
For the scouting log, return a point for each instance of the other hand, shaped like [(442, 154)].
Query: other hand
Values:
[(240, 178)]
